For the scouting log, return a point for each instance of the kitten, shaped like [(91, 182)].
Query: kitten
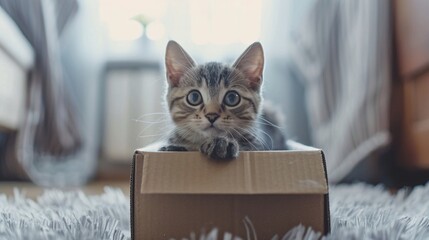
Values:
[(217, 108)]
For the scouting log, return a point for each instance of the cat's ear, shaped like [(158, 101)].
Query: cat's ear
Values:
[(251, 64), (177, 62)]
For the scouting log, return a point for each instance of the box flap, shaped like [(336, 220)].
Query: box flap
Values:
[(267, 172)]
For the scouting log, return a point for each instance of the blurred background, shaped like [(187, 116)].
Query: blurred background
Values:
[(82, 82)]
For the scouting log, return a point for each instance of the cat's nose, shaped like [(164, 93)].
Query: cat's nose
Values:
[(212, 117)]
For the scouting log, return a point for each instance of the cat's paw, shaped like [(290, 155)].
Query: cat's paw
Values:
[(220, 148), (173, 148)]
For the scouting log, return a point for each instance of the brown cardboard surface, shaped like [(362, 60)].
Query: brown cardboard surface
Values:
[(269, 214), (174, 194), (252, 173)]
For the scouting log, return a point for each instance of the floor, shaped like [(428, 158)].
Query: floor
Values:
[(32, 191)]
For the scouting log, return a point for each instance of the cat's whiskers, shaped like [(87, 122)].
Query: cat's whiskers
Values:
[(161, 130), (213, 81), (263, 132), (268, 122), (153, 114), (229, 133), (152, 122), (254, 134), (253, 130), (161, 120), (265, 122), (186, 131), (241, 135), (173, 131)]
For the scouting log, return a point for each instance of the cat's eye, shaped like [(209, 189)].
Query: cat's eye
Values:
[(194, 98), (232, 98)]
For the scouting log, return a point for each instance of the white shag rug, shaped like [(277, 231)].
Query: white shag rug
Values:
[(358, 211)]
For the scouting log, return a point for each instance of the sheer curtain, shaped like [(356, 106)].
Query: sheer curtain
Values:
[(341, 51), (49, 148), (282, 86)]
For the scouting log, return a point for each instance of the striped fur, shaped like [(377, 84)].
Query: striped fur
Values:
[(242, 127)]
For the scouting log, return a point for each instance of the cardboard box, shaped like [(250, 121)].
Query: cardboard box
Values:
[(176, 193)]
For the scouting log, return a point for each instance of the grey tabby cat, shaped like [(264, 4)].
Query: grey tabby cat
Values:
[(216, 108)]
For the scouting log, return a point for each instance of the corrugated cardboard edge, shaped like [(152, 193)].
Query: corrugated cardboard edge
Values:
[(295, 145), (327, 222), (327, 209), (132, 187)]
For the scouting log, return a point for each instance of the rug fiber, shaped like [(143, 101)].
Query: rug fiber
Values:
[(358, 211)]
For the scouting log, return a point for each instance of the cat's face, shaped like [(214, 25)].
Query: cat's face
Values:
[(214, 99)]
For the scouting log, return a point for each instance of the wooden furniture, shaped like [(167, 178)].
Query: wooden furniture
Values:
[(410, 86)]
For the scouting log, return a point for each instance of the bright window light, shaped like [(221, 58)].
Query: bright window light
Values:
[(224, 21), (117, 16), (155, 30), (127, 30), (214, 22)]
